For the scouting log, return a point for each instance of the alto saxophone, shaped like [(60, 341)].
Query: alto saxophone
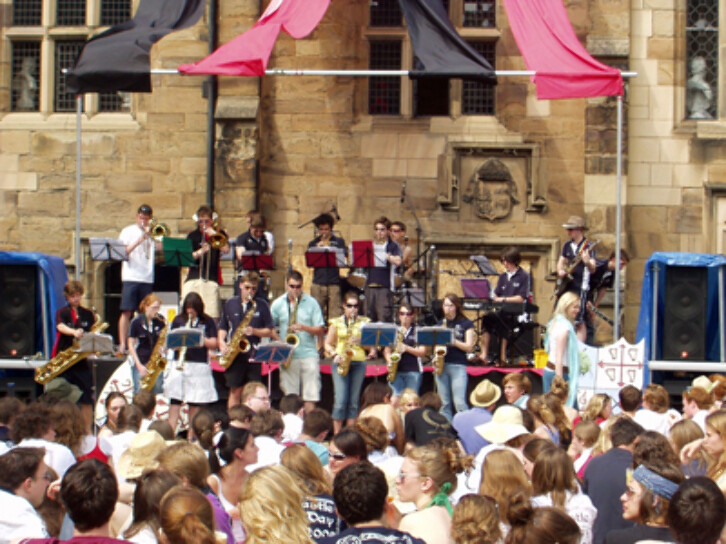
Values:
[(395, 357), (437, 361), (291, 338), (66, 358), (183, 351), (239, 342), (348, 350), (157, 362)]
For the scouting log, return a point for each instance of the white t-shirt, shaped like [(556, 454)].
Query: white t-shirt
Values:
[(140, 266), (57, 456), (18, 518)]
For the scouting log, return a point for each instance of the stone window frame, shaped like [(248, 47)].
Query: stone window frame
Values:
[(48, 35), (703, 129), (400, 33)]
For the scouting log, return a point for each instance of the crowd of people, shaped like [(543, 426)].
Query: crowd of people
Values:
[(620, 470)]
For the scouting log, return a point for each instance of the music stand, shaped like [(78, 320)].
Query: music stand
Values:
[(378, 334), (414, 296), (325, 257), (362, 254), (434, 336), (178, 251), (92, 342), (107, 249), (185, 337), (273, 353), (254, 260), (485, 267)]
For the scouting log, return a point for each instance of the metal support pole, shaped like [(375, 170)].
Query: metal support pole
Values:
[(618, 220), (79, 110)]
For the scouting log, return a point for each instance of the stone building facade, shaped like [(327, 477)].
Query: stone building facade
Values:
[(292, 147)]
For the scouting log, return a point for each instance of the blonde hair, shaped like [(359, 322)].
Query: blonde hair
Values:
[(475, 521), (440, 464), (588, 432), (186, 516), (187, 461), (537, 406), (304, 464), (656, 396), (564, 302), (502, 476), (373, 432), (717, 421), (594, 408), (271, 509)]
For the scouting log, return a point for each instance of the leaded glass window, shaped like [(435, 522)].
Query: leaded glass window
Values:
[(702, 59), (384, 92), (477, 98), (480, 13), (27, 12), (25, 87), (65, 55)]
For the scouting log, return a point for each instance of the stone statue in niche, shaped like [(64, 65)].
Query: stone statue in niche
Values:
[(26, 86), (492, 191), (698, 92)]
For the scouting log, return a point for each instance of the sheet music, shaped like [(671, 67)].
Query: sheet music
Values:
[(380, 257)]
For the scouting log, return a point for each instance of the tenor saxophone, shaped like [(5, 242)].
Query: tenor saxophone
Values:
[(66, 358), (239, 342), (157, 362), (395, 357), (291, 338), (437, 361), (348, 351)]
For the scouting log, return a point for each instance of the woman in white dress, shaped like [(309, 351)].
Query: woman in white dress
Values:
[(190, 377)]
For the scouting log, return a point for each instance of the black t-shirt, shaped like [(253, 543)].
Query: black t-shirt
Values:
[(409, 362), (327, 275), (453, 354), (638, 533), (371, 535), (381, 275), (84, 319), (212, 256), (425, 424), (147, 334), (196, 355), (518, 284), (323, 519), (570, 251)]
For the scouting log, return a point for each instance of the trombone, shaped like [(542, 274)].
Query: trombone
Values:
[(157, 229)]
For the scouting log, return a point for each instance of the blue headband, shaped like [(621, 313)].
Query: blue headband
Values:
[(655, 482)]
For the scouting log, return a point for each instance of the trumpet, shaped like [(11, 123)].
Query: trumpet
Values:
[(158, 230), (219, 239)]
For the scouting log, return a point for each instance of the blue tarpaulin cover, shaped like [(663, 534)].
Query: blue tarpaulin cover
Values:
[(55, 277), (657, 264)]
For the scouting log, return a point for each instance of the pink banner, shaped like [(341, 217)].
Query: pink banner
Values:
[(550, 47)]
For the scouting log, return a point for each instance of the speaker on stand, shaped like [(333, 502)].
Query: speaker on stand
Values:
[(18, 303), (684, 313)]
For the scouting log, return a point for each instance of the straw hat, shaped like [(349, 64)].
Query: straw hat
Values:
[(703, 382), (485, 394), (141, 454), (505, 425), (575, 222)]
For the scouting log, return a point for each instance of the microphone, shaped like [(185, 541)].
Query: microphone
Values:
[(335, 212), (403, 192)]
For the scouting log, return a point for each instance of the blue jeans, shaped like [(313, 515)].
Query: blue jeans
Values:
[(451, 385), (404, 380), (347, 390), (136, 378)]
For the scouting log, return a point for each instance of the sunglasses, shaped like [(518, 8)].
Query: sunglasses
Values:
[(352, 305), (295, 285), (337, 456), (405, 313)]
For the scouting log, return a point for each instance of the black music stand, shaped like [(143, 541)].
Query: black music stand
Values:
[(178, 251), (273, 353), (107, 249), (92, 342), (254, 260), (414, 296), (378, 334), (485, 267), (434, 336)]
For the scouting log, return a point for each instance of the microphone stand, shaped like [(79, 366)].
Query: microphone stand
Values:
[(333, 211), (419, 237)]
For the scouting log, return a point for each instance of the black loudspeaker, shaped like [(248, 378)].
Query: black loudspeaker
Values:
[(17, 310), (684, 316)]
